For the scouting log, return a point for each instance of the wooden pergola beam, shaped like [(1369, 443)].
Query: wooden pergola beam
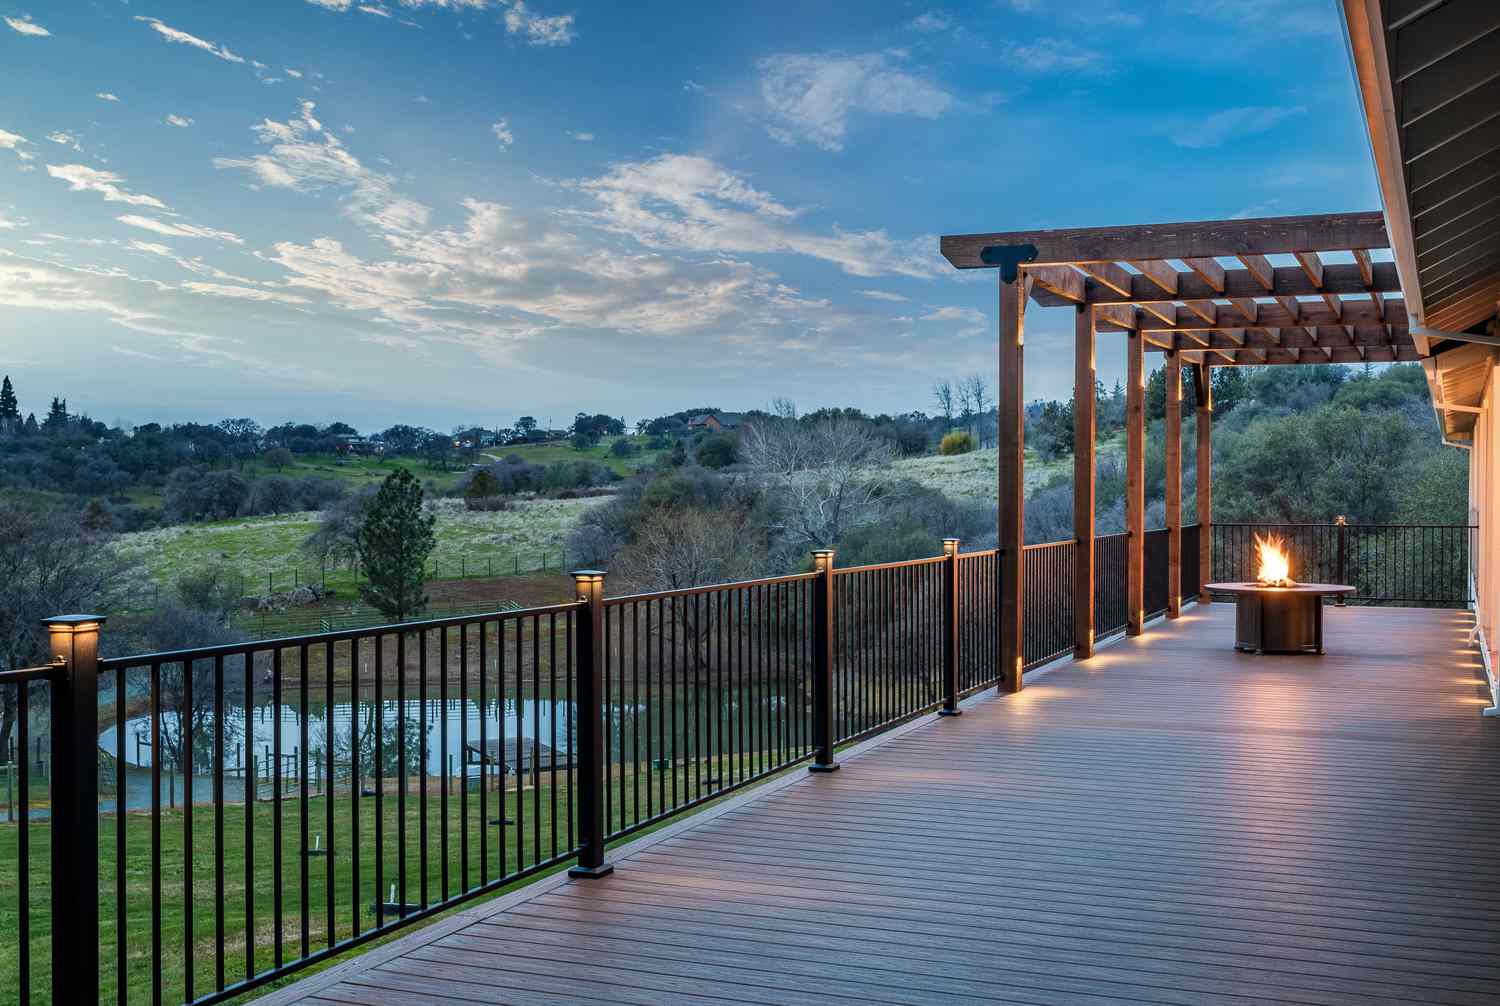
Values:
[(1198, 239), (1286, 281), (1345, 354), (1354, 312), (1283, 338)]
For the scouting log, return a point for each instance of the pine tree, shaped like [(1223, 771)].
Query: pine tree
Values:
[(57, 416), (9, 407), (393, 545), (31, 427)]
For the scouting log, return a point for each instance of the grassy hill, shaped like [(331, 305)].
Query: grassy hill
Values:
[(974, 476)]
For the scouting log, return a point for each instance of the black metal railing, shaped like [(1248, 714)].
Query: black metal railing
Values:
[(219, 817), (1421, 565)]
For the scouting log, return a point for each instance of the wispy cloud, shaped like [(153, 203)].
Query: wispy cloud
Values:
[(539, 30), (12, 141), (180, 121), (1247, 120), (1050, 55), (886, 295), (581, 137), (932, 21), (812, 97), (502, 132), (177, 229), (64, 139), (107, 96), (177, 35), (23, 25), (691, 203), (82, 178)]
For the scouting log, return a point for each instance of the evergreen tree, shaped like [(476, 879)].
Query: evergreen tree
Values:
[(31, 426), (10, 409), (57, 416), (393, 545)]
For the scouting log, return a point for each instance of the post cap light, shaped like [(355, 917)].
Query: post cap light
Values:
[(73, 623)]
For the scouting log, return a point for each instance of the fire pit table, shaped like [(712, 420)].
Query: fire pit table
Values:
[(1276, 619)]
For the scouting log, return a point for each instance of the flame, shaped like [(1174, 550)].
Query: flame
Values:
[(1275, 565)]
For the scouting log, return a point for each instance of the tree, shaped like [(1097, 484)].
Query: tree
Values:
[(942, 393), (975, 391), (526, 426), (57, 416), (31, 428), (831, 475), (393, 545), (52, 565), (242, 437), (337, 538), (10, 409), (279, 458)]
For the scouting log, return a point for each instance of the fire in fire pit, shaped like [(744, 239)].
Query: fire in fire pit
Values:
[(1274, 613), (1275, 566)]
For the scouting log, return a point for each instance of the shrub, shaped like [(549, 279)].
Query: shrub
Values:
[(957, 442), (486, 504), (624, 448)]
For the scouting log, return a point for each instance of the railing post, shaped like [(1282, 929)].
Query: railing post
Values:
[(590, 726), (823, 663), (1343, 557), (950, 628), (74, 640)]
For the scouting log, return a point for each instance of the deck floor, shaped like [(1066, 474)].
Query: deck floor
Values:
[(1171, 822)]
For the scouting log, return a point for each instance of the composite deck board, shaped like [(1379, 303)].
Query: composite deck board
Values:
[(1169, 822)]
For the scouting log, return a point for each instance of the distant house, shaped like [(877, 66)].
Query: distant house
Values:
[(363, 446), (716, 422)]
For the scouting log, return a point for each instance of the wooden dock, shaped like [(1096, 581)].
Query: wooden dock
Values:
[(1169, 822)]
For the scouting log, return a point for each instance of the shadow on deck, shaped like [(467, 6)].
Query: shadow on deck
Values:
[(1170, 822)]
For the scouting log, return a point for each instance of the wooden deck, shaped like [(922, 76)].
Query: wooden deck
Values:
[(1170, 822)]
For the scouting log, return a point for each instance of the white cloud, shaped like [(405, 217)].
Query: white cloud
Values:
[(369, 9), (932, 21), (82, 178), (64, 139), (953, 314), (25, 26), (1231, 122), (106, 96), (895, 298), (180, 121), (337, 5), (180, 230), (693, 87), (813, 97), (582, 137), (1046, 55), (292, 73), (538, 30), (502, 132), (7, 224), (12, 141), (691, 203), (243, 293), (176, 35), (306, 158)]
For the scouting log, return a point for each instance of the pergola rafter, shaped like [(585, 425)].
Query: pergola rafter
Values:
[(1207, 294)]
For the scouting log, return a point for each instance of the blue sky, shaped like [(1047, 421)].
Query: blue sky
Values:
[(461, 211)]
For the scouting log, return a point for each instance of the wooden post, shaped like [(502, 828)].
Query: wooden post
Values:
[(1012, 481), (1205, 479), (1084, 470), (1135, 482), (1174, 483)]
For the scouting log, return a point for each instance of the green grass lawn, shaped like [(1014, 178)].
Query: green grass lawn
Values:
[(562, 450), (267, 550), (527, 845)]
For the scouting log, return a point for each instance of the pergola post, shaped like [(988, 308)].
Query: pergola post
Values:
[(1174, 483), (1012, 478), (1084, 472), (1205, 479), (1135, 482)]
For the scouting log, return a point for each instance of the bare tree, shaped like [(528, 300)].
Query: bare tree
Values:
[(51, 565), (943, 394), (975, 391), (785, 408), (829, 477)]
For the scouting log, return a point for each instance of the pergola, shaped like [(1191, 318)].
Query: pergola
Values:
[(1207, 294)]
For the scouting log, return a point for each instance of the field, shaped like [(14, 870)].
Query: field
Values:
[(560, 450), (538, 836), (973, 477), (266, 550)]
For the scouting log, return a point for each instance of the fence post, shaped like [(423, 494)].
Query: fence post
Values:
[(74, 640), (950, 631), (823, 734), (1343, 558), (590, 731)]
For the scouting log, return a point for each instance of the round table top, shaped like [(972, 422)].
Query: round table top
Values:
[(1298, 588)]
